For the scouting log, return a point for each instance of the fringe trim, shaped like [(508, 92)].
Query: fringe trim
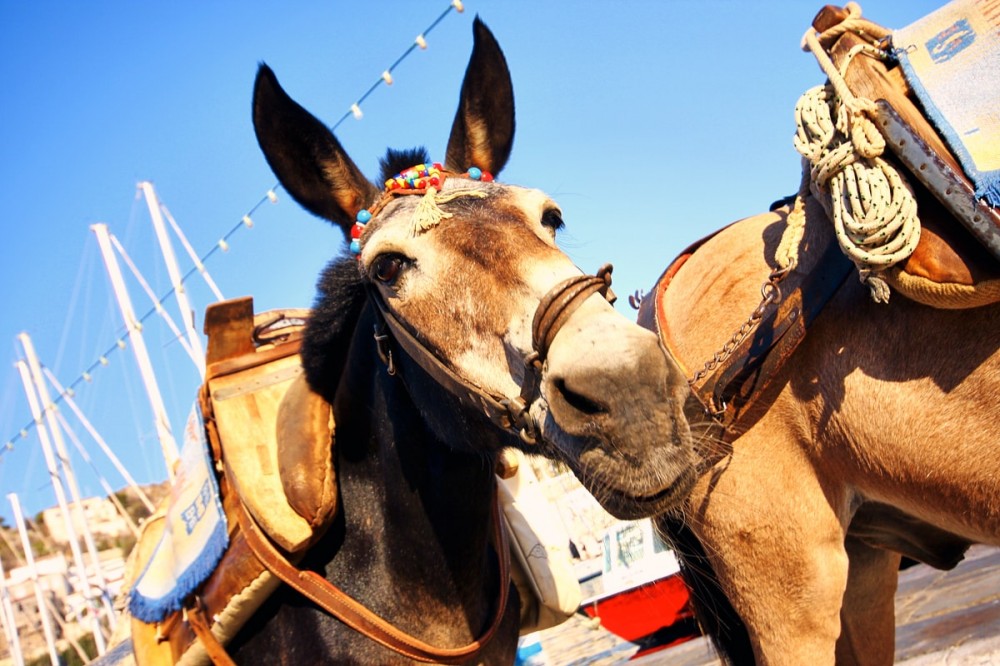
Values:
[(151, 610), (990, 191), (429, 214)]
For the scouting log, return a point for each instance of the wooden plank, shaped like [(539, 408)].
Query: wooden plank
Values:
[(229, 326)]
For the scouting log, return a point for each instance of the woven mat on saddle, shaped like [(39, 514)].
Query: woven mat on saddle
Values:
[(258, 449), (930, 91)]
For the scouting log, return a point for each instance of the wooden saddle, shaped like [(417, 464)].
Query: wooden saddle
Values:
[(271, 440)]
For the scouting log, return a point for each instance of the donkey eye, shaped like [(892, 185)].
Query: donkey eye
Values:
[(386, 268), (552, 218)]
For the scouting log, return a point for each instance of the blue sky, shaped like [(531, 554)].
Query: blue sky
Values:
[(651, 122)]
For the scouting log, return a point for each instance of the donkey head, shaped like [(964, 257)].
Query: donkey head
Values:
[(459, 270)]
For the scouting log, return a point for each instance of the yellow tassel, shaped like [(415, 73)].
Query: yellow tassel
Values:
[(428, 213)]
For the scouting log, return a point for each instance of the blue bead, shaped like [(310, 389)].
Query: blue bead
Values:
[(363, 216), (475, 173), (355, 247)]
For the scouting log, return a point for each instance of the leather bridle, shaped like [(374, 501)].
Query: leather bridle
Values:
[(510, 414)]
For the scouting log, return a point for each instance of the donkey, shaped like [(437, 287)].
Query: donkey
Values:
[(839, 433), (454, 328)]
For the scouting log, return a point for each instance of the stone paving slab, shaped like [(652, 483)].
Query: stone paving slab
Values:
[(944, 618)]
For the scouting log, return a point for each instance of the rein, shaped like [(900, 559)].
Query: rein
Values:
[(254, 549)]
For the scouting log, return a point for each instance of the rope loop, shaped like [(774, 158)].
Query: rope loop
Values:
[(871, 205)]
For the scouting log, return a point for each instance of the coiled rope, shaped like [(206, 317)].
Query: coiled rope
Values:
[(872, 206)]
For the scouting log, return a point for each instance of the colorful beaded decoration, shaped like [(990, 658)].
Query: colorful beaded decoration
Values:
[(416, 179), (419, 177)]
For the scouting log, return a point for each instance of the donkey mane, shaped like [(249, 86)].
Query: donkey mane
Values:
[(340, 297), (396, 161)]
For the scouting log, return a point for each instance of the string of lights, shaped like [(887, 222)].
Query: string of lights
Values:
[(223, 244)]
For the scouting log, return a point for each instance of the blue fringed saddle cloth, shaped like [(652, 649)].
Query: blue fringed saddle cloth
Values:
[(194, 533), (951, 60)]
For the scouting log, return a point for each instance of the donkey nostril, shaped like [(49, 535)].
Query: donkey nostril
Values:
[(579, 402)]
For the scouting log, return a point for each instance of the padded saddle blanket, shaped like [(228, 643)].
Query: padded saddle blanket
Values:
[(951, 59)]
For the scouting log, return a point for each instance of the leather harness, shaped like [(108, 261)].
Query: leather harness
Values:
[(729, 386), (510, 414), (353, 614)]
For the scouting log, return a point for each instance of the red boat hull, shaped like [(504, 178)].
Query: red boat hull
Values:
[(654, 616)]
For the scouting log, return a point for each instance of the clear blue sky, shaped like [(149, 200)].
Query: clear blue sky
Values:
[(651, 122)]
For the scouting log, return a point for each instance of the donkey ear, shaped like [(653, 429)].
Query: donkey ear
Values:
[(483, 131), (306, 157)]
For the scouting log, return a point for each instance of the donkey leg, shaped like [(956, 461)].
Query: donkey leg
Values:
[(775, 538), (868, 619)]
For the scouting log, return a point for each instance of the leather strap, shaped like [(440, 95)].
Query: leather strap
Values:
[(496, 408), (561, 302), (336, 602), (729, 393), (199, 624), (734, 387)]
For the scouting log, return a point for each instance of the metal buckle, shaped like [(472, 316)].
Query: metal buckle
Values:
[(383, 348)]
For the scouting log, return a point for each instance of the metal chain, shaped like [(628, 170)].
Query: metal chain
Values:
[(770, 293)]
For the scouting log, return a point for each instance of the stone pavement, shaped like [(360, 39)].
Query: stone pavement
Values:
[(943, 618)]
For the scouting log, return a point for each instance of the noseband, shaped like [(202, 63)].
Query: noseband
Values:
[(510, 414)]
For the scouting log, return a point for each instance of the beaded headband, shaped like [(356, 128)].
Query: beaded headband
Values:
[(423, 179)]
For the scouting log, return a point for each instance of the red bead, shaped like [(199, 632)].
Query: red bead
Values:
[(487, 177), (356, 231)]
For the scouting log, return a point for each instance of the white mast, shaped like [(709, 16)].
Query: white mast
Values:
[(187, 312), (57, 486), (29, 557), (199, 361), (136, 488), (108, 490), (49, 409), (9, 621), (192, 254), (162, 423)]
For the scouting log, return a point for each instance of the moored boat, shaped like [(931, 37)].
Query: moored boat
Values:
[(644, 600)]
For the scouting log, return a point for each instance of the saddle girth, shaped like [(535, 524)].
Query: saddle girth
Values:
[(730, 385)]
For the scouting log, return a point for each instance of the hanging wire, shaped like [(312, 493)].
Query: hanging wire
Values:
[(87, 376)]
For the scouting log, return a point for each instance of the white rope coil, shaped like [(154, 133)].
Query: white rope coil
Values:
[(872, 206)]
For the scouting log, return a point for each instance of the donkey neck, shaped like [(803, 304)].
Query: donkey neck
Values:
[(412, 538)]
